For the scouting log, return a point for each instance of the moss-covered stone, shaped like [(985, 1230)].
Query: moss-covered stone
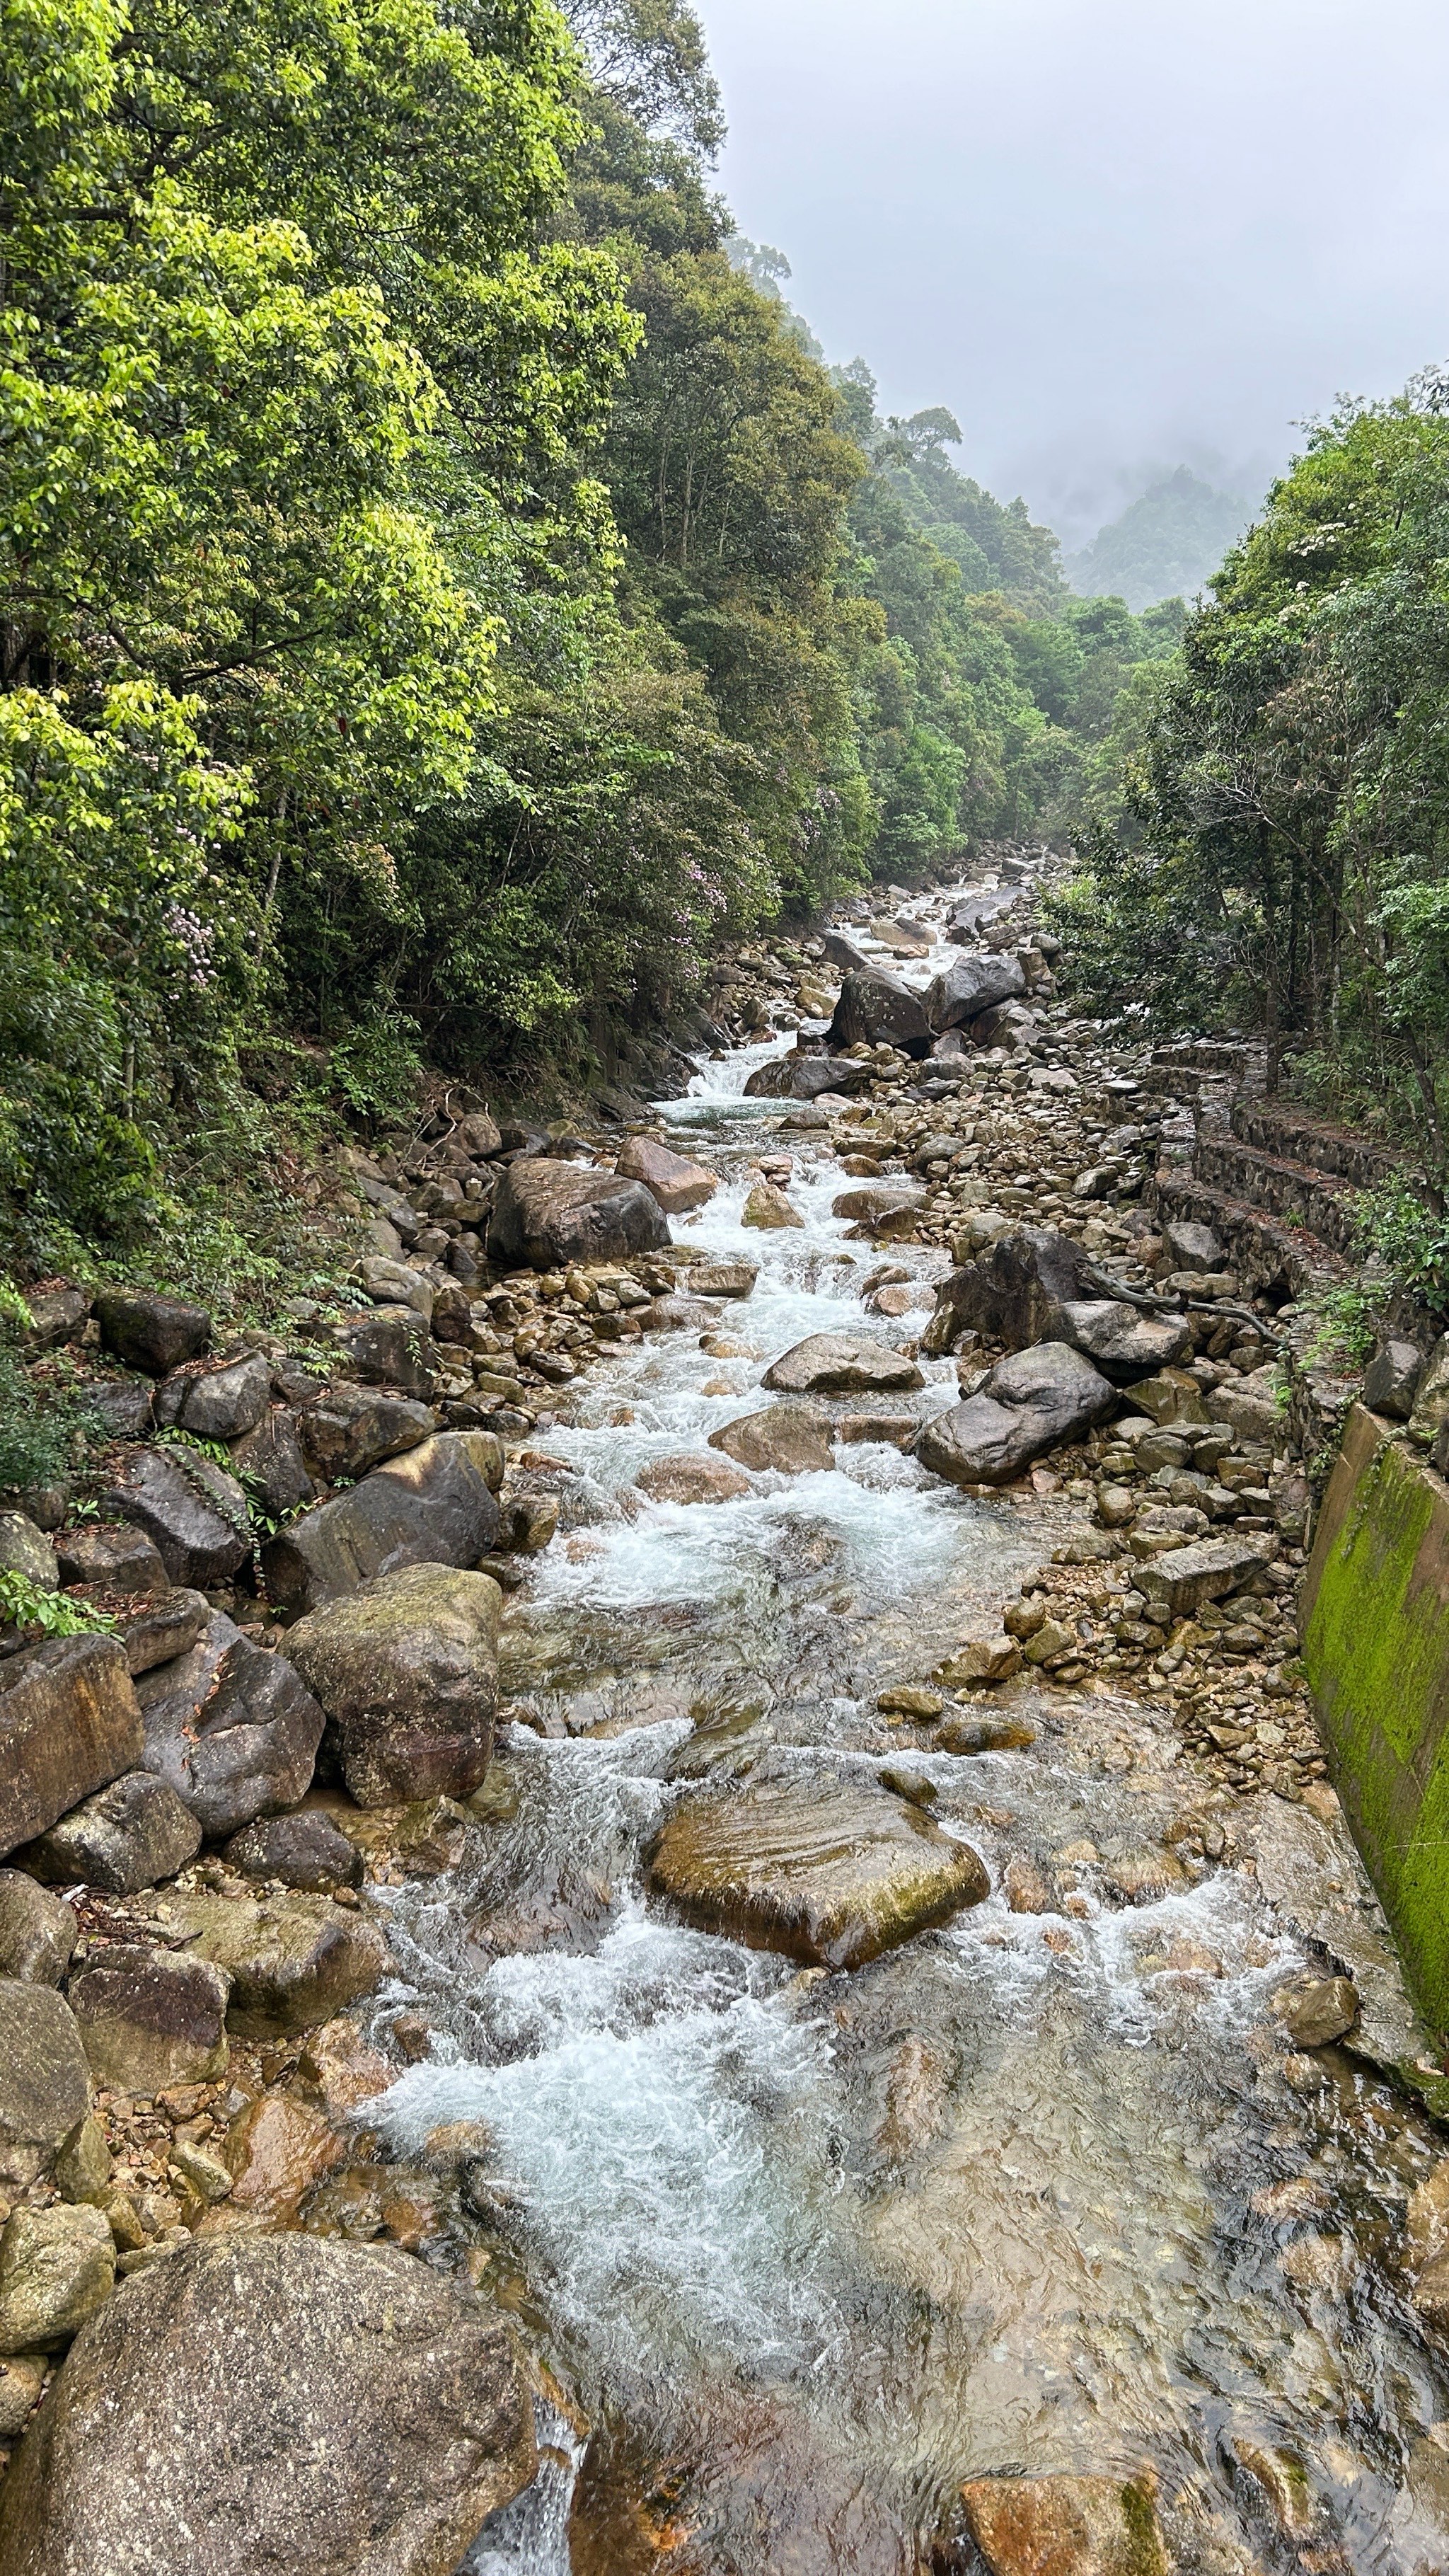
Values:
[(1376, 1649)]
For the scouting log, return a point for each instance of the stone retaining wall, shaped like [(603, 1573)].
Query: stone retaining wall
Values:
[(1375, 1630)]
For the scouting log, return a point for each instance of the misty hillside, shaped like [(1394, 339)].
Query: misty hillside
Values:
[(1165, 546)]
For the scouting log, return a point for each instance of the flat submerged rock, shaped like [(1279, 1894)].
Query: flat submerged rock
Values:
[(828, 1871)]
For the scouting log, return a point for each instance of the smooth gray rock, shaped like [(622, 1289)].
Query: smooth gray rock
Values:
[(152, 1333), (37, 1931), (793, 1439), (285, 2405), (132, 1834), (1194, 1247), (1032, 1284), (434, 1505), (878, 1008), (110, 1556), (231, 1728), (407, 1670), (547, 1214), (194, 1512), (1391, 1380), (305, 1850), (975, 979), (351, 1429), (841, 1364), (806, 1077), (219, 1402), (124, 1405), (69, 1723), (1030, 1402), (45, 2083)]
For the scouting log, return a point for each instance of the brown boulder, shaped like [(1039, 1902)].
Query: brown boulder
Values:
[(45, 2085), (128, 1836), (151, 1333), (293, 1960), (149, 2017), (790, 1438), (1065, 2526), (841, 1364), (193, 1511), (351, 1429), (548, 1214), (691, 1480), (434, 1505), (407, 1671), (69, 1724), (672, 1179)]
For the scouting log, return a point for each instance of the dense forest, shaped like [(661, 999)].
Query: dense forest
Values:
[(1270, 849), (444, 590), (1166, 544)]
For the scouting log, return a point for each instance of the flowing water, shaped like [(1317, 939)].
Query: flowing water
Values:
[(1031, 2193)]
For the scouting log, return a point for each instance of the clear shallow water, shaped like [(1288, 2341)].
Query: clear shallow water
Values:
[(806, 2251)]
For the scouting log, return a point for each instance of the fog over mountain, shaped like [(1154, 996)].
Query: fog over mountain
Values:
[(1114, 239)]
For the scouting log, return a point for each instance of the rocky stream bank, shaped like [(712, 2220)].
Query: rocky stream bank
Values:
[(679, 1908)]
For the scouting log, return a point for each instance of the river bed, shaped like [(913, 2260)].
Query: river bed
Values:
[(1031, 2193)]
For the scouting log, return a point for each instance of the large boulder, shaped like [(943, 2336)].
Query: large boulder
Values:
[(26, 1550), (790, 1438), (723, 1278), (231, 1728), (828, 1870), (112, 1557), (691, 1479), (37, 1931), (806, 1077), (840, 1364), (1034, 1285), (128, 1836), (672, 1179), (152, 1333), (436, 1504), (304, 1850), (351, 1429), (219, 1402), (194, 1513), (548, 1214), (283, 2403), (149, 2017), (878, 1009), (45, 2083), (269, 1458), (768, 1210), (69, 1723), (407, 1670), (161, 1628), (57, 2266), (1029, 1403), (390, 1347), (294, 1960), (974, 980)]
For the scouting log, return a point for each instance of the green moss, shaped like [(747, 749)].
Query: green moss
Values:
[(1146, 2556), (1377, 1655)]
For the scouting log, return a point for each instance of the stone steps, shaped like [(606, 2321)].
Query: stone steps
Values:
[(1294, 1135), (1297, 1194)]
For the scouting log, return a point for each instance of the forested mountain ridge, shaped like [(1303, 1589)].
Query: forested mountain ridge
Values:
[(442, 592), (1166, 544)]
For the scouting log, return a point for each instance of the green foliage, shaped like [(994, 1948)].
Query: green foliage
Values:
[(43, 1428), (1165, 545), (1411, 1237), (56, 1614)]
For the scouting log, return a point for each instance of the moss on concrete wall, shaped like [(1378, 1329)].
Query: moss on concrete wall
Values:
[(1376, 1646)]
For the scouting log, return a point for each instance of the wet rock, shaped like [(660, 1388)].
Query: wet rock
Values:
[(270, 1460), (723, 1278), (768, 1209), (69, 1723), (194, 1512), (218, 1403), (1185, 1576), (841, 1364), (57, 2266), (132, 1834), (304, 1850), (352, 1429), (806, 1077), (1144, 1877), (1065, 2526), (294, 1960), (547, 1215), (231, 1728), (45, 2085), (406, 1668), (1025, 1888), (967, 1735), (877, 1008), (691, 1480), (275, 2151), (286, 2403), (390, 1348), (910, 1699), (37, 1931), (22, 2377), (342, 2070), (149, 2017), (918, 2093), (433, 1505), (112, 1558), (874, 1204), (156, 1334), (972, 982), (1029, 1403), (164, 1628), (1318, 2010), (892, 1430), (672, 1179), (25, 1550), (988, 1655), (791, 1439), (528, 1524), (828, 1871), (1391, 1380)]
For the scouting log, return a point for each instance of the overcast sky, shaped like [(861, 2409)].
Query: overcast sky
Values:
[(1112, 235)]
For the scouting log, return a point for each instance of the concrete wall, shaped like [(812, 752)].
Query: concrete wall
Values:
[(1375, 1631)]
